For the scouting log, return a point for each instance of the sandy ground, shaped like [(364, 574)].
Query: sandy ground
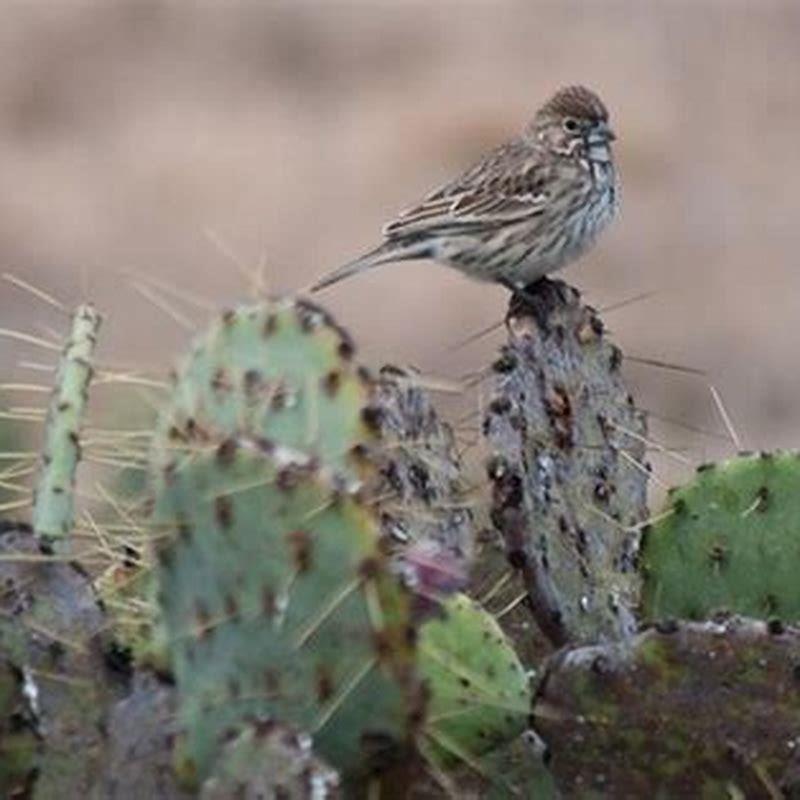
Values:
[(176, 139)]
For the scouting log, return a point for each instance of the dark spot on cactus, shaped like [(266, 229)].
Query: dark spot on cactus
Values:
[(268, 603), (272, 681), (175, 434), (228, 317), (359, 452), (223, 511), (57, 490), (500, 406), (231, 607), (602, 492), (545, 562), (465, 682), (667, 626), (679, 507), (265, 446), (496, 468), (517, 559), (202, 619), (131, 557), (220, 381), (776, 627), (419, 477), (166, 557), (770, 604), (270, 325), (718, 555), (302, 548), (372, 417), (382, 645), (707, 467), (615, 359), (253, 384), (279, 397), (64, 405), (324, 684), (346, 348), (289, 477), (507, 362), (331, 382), (184, 532), (226, 452), (762, 499), (599, 665), (559, 411), (369, 569)]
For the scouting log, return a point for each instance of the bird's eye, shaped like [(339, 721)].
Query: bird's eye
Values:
[(571, 125)]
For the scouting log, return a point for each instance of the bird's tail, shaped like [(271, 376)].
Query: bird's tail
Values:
[(382, 254)]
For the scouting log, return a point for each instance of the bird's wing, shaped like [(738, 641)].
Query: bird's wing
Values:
[(507, 186)]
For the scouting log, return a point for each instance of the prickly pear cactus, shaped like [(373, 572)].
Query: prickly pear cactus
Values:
[(728, 541), (276, 593), (567, 466), (270, 760), (688, 710), (54, 502), (479, 691)]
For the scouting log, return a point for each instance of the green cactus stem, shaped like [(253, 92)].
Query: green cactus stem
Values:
[(54, 497)]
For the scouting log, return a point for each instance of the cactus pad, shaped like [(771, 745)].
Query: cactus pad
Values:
[(479, 692), (277, 602), (567, 467), (730, 541)]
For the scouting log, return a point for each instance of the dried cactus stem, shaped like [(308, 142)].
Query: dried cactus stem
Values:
[(567, 466), (54, 498)]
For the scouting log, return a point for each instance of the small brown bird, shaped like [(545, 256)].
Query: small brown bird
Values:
[(529, 207)]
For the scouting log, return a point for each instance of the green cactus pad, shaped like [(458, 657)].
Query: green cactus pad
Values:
[(700, 710), (728, 541), (282, 372), (277, 602), (54, 500), (479, 691), (270, 761)]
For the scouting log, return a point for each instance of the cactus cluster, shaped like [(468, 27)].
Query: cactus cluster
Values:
[(311, 540)]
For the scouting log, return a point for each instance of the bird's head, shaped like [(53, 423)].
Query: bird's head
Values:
[(574, 118)]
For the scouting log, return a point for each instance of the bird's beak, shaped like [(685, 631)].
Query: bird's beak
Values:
[(602, 134)]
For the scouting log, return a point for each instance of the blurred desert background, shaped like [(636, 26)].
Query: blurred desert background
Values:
[(190, 142)]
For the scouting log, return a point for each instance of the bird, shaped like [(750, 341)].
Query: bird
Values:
[(527, 208)]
